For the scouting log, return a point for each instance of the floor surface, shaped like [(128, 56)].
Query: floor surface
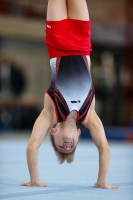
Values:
[(66, 181)]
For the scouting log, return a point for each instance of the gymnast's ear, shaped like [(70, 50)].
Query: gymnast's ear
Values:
[(53, 130)]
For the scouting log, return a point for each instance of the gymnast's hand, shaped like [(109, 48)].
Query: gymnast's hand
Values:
[(105, 186), (40, 184)]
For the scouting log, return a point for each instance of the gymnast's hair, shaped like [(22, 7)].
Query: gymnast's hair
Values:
[(69, 157)]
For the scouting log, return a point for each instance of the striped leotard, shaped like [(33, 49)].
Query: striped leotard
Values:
[(71, 86)]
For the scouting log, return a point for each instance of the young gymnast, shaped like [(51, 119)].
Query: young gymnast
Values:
[(70, 97)]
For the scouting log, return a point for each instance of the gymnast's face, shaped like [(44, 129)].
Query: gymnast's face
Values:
[(65, 138)]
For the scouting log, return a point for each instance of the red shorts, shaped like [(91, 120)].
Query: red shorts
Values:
[(68, 37)]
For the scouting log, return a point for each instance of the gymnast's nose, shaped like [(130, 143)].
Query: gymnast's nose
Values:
[(68, 145)]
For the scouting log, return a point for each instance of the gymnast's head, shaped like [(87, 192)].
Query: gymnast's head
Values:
[(64, 140)]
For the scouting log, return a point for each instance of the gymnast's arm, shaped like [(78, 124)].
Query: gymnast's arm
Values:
[(43, 122), (94, 124)]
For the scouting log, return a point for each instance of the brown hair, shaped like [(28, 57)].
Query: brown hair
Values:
[(69, 157)]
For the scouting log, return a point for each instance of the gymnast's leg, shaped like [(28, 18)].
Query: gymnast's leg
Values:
[(56, 10), (77, 9)]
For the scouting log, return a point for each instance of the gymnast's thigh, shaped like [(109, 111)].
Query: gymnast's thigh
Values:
[(56, 10), (77, 9)]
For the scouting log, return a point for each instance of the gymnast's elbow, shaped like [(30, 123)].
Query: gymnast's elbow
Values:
[(31, 147), (103, 147)]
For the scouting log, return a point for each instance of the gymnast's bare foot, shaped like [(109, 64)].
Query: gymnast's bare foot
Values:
[(105, 186), (40, 184)]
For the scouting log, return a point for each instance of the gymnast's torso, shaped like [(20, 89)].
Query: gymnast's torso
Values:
[(71, 86)]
